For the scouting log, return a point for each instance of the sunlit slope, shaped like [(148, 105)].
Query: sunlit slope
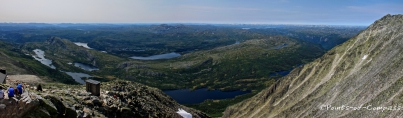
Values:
[(15, 62), (63, 52), (367, 70), (247, 65)]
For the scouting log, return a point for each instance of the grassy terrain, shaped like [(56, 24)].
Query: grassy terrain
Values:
[(224, 72), (244, 66), (16, 62), (214, 108)]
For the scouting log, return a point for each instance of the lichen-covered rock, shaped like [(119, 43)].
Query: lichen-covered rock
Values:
[(41, 113), (142, 101), (64, 110), (121, 99), (49, 107)]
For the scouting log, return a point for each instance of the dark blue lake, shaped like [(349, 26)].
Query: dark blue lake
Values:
[(86, 67), (155, 57), (284, 73), (77, 76), (186, 96)]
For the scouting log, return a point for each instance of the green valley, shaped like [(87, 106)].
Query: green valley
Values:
[(225, 58)]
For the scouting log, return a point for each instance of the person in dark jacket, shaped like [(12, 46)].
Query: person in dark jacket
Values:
[(19, 87), (39, 87), (1, 93), (10, 92)]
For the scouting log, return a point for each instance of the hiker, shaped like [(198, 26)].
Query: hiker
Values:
[(1, 93), (19, 87), (10, 92), (39, 88), (16, 92)]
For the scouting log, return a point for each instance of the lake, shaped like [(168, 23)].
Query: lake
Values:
[(281, 46), (86, 67), (77, 76), (161, 56), (40, 56), (85, 45), (285, 72), (186, 96)]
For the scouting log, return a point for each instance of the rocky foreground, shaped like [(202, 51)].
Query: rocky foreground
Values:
[(118, 99)]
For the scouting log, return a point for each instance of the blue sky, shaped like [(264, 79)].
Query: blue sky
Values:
[(318, 12)]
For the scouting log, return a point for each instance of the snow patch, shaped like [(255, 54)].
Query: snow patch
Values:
[(85, 45), (184, 114), (365, 57)]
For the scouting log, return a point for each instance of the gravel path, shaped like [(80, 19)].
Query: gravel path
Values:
[(24, 78)]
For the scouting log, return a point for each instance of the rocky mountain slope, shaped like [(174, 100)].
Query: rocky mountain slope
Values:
[(12, 65), (362, 77), (121, 99), (63, 51)]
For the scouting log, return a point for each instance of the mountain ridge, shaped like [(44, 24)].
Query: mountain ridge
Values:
[(356, 73)]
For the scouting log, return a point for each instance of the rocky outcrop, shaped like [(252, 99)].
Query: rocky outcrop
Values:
[(152, 73), (141, 101), (87, 56), (56, 41), (62, 48), (363, 77), (18, 107), (121, 99)]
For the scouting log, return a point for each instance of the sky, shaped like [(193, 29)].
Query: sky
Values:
[(314, 12)]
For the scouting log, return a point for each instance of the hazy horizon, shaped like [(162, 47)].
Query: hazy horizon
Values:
[(173, 23), (287, 12)]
